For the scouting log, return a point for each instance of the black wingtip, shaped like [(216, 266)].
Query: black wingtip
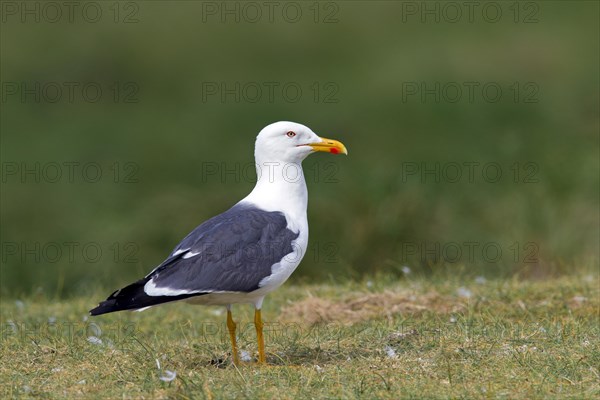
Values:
[(104, 308), (133, 297)]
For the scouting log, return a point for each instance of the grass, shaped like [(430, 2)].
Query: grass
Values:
[(365, 210), (441, 337)]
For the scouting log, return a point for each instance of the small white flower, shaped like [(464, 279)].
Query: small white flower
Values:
[(391, 353), (85, 318), (245, 356), (57, 369), (405, 270), (480, 280), (94, 340), (453, 319), (319, 369), (369, 284), (20, 305), (168, 376), (81, 382), (26, 389), (51, 320)]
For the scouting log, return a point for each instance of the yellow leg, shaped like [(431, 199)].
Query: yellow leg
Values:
[(258, 324), (231, 327)]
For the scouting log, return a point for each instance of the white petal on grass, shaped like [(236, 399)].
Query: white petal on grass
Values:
[(51, 320), (20, 305), (319, 369), (245, 356), (94, 340), (56, 369), (405, 269), (464, 292), (168, 376), (81, 382), (391, 353)]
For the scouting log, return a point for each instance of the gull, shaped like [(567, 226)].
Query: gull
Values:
[(246, 252)]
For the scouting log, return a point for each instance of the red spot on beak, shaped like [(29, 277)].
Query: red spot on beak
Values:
[(334, 150)]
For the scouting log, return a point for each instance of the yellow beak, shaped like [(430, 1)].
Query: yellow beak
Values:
[(329, 146)]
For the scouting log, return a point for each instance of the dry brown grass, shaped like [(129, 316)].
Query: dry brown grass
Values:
[(360, 307)]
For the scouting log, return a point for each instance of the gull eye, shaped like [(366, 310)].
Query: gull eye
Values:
[(291, 134)]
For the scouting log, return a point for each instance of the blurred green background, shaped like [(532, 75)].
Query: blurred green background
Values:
[(367, 73)]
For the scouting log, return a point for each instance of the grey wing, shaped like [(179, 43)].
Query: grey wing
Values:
[(231, 252)]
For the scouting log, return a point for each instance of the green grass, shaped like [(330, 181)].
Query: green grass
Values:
[(448, 336)]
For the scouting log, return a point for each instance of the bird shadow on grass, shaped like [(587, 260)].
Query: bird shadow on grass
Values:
[(299, 356)]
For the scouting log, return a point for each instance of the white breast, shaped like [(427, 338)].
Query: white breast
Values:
[(281, 271), (289, 197)]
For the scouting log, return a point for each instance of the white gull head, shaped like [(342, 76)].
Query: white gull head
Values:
[(289, 142)]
